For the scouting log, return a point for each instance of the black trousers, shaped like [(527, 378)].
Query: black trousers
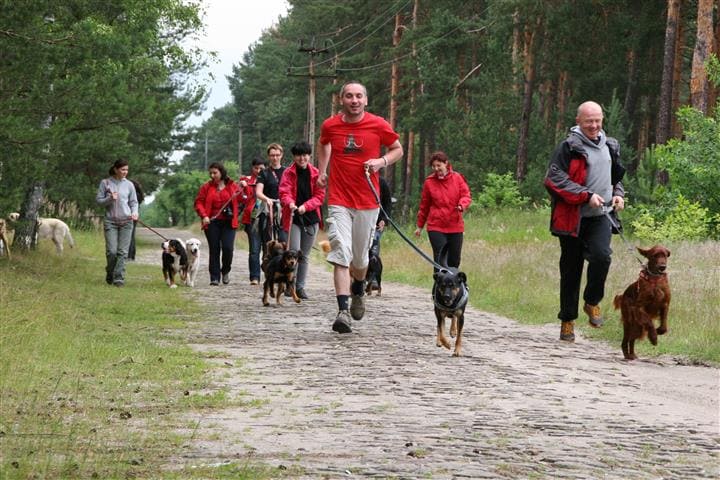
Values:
[(447, 248), (221, 243), (592, 245)]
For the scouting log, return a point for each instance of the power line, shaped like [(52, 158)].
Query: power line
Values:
[(395, 59), (388, 19)]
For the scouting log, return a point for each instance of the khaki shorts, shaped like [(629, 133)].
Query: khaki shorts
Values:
[(350, 232)]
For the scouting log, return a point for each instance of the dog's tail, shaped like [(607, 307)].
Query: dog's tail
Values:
[(324, 246), (617, 301)]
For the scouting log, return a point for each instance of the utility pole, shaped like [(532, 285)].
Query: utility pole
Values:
[(240, 165), (206, 149), (312, 50)]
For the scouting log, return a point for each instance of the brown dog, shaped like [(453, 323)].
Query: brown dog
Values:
[(645, 300), (280, 272)]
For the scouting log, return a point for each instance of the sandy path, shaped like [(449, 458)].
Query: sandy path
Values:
[(384, 402)]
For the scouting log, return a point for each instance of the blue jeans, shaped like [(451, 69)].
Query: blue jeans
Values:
[(254, 246), (117, 243), (221, 242)]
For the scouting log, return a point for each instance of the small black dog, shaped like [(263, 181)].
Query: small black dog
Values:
[(174, 261), (373, 277), (450, 294), (280, 271)]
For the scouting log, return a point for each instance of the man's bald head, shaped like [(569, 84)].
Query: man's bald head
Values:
[(589, 119)]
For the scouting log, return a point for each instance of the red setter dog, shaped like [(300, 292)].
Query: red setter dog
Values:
[(645, 300)]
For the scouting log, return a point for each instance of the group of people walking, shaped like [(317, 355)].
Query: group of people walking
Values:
[(284, 203)]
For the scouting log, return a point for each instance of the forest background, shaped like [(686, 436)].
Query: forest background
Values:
[(493, 83)]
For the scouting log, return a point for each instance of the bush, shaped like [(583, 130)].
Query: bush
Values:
[(500, 191), (686, 221)]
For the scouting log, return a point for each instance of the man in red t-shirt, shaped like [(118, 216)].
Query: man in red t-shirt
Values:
[(350, 143)]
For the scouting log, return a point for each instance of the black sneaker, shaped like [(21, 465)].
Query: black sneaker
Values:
[(301, 294), (226, 278), (342, 322), (119, 283), (214, 283)]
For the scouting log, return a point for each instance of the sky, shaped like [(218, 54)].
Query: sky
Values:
[(231, 26)]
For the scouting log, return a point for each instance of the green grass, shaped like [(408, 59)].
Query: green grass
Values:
[(512, 265), (95, 380)]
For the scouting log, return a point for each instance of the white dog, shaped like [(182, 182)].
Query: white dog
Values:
[(192, 247), (51, 228)]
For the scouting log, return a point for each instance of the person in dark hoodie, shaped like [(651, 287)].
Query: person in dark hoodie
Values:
[(584, 179)]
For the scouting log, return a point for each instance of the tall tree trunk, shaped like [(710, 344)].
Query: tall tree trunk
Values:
[(715, 89), (663, 125), (26, 228), (630, 88), (394, 75), (677, 77), (699, 84), (516, 47), (643, 132), (562, 97), (529, 87), (409, 159)]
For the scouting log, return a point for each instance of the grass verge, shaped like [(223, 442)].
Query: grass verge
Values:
[(94, 379), (512, 265)]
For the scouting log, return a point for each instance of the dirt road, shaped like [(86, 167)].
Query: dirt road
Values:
[(385, 402)]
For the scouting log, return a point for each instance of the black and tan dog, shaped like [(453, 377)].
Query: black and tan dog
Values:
[(280, 272), (373, 277), (174, 261), (450, 295), (271, 249)]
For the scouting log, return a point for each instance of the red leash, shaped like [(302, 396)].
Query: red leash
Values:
[(152, 229)]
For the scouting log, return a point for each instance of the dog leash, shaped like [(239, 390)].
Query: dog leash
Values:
[(152, 229), (214, 217), (607, 210), (398, 229)]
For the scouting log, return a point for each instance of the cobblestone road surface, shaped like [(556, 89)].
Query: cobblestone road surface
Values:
[(385, 402)]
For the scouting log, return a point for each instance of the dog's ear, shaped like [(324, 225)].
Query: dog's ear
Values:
[(643, 252), (667, 252), (435, 275), (462, 277)]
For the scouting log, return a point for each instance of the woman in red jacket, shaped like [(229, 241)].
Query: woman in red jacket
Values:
[(445, 197), (249, 218), (217, 205), (301, 199)]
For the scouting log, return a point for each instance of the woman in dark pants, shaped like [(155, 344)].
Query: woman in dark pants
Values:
[(217, 205), (247, 183), (445, 198)]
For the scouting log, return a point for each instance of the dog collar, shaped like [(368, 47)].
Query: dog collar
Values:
[(459, 303), (649, 276)]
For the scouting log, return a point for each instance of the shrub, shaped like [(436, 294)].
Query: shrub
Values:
[(686, 221), (500, 191)]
